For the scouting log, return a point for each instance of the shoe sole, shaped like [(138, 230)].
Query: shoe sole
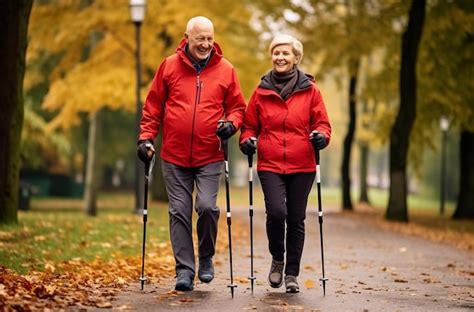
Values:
[(275, 285), (183, 288)]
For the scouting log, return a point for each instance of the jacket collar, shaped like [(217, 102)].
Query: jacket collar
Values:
[(215, 58), (304, 82)]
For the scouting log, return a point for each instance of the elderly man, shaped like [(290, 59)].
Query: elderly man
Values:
[(192, 90)]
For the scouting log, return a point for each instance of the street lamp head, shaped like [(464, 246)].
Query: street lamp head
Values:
[(444, 123), (137, 10)]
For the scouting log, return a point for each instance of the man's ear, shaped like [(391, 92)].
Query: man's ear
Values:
[(186, 36)]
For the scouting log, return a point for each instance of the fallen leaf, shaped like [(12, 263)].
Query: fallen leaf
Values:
[(49, 267), (103, 304), (309, 284), (39, 238)]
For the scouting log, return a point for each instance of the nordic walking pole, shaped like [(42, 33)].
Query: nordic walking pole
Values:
[(320, 212), (227, 198), (250, 160), (148, 170)]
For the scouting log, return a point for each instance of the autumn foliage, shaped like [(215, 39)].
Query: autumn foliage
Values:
[(79, 283)]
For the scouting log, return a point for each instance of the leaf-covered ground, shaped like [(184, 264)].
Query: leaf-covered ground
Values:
[(58, 258)]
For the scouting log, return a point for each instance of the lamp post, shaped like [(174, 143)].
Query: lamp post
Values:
[(137, 14), (444, 125)]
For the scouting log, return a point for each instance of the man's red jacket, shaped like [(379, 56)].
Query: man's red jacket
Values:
[(187, 106)]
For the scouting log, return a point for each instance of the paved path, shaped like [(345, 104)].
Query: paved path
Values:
[(369, 269)]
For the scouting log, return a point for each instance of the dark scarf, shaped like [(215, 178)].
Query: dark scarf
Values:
[(284, 83), (198, 64)]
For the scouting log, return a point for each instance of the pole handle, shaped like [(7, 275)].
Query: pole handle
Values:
[(149, 166), (316, 157)]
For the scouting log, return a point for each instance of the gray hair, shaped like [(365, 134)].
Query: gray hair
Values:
[(198, 20), (287, 39)]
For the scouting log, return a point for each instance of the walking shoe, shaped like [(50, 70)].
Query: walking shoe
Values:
[(206, 270), (291, 284), (184, 281), (275, 277)]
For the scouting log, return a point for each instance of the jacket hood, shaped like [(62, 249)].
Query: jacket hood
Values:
[(304, 81)]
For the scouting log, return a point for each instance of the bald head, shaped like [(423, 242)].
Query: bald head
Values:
[(199, 36), (199, 22)]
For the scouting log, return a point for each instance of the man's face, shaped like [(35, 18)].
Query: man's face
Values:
[(200, 41)]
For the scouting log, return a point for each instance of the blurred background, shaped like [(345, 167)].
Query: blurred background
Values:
[(81, 98)]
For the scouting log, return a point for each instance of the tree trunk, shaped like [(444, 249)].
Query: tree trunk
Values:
[(364, 163), (465, 205), (158, 186), (90, 186), (348, 140), (14, 17), (400, 134)]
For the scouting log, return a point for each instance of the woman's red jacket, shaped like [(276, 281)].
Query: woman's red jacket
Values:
[(283, 128)]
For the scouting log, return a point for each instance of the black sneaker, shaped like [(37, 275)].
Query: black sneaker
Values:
[(206, 270), (184, 281), (275, 277)]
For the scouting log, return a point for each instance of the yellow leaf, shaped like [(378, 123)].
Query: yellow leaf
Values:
[(309, 284), (39, 238), (49, 267), (105, 304)]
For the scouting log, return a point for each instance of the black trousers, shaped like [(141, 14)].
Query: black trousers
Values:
[(286, 197)]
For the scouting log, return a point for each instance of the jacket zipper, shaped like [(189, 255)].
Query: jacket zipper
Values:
[(284, 141), (196, 102)]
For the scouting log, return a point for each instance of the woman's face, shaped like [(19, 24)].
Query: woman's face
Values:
[(283, 58)]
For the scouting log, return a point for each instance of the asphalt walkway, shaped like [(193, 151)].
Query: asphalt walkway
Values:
[(369, 269)]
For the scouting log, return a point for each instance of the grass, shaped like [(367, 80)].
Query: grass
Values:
[(56, 230)]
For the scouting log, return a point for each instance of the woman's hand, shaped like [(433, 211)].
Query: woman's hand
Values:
[(249, 147)]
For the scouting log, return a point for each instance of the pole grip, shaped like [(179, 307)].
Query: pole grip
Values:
[(316, 156)]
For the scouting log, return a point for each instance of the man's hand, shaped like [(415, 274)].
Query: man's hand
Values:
[(248, 147), (225, 130), (145, 150), (318, 140)]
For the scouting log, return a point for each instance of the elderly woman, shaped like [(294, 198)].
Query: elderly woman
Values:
[(287, 116)]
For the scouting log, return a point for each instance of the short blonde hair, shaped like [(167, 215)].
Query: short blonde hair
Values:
[(287, 39)]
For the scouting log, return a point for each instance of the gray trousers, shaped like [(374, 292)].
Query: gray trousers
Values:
[(180, 183)]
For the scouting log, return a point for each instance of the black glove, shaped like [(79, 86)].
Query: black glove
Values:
[(226, 130), (248, 147), (143, 146), (318, 140)]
